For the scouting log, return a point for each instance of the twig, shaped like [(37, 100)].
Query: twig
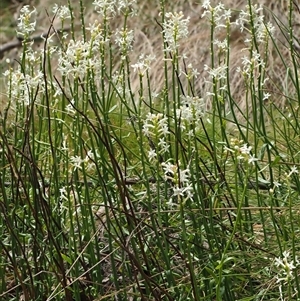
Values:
[(17, 42), (134, 181)]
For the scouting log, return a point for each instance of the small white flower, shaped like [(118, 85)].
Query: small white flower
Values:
[(190, 73), (163, 146), (76, 162), (244, 149), (217, 73), (276, 184), (63, 194), (206, 4), (169, 170), (90, 155), (90, 166), (178, 191), (184, 176), (252, 159), (222, 45), (266, 96), (152, 154), (64, 147), (193, 71), (21, 86), (70, 108), (294, 169)]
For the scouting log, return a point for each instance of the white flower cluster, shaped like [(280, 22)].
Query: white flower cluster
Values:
[(77, 162), (219, 18), (253, 15), (241, 150), (286, 266), (249, 65), (62, 12), (63, 194), (180, 179), (219, 15), (252, 69), (191, 110), (124, 39), (217, 73), (155, 128), (23, 89), (143, 64), (26, 21), (80, 56), (126, 5), (190, 72), (105, 7), (75, 60), (109, 7), (175, 27), (155, 125)]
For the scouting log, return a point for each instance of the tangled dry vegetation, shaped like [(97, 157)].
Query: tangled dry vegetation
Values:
[(196, 47)]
